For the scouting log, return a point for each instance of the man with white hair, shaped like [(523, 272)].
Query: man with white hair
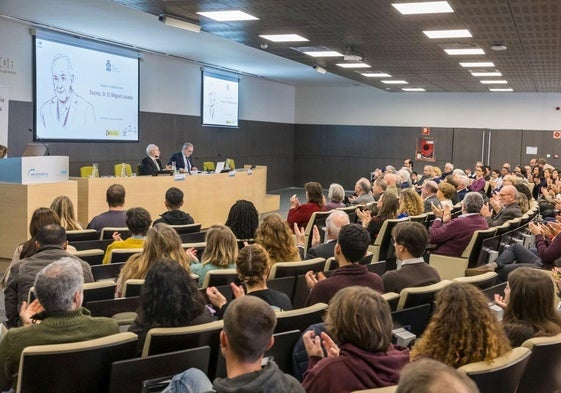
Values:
[(448, 169), (151, 163), (58, 307), (333, 224), (461, 189), (362, 190), (428, 193)]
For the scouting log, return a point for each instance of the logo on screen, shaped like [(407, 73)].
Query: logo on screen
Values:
[(108, 66), (34, 173)]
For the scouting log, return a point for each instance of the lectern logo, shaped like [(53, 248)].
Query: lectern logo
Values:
[(34, 173)]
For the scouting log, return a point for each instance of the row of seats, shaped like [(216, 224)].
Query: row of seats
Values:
[(107, 232)]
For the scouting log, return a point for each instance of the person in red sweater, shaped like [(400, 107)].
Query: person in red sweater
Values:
[(300, 213), (358, 350)]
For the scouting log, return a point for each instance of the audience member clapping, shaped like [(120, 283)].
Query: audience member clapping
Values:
[(356, 352), (138, 223), (275, 236), (336, 194), (243, 219), (300, 213), (410, 204), (64, 208), (386, 208)]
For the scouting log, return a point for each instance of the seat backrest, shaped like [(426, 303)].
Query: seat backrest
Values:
[(300, 318), (392, 298), (189, 228), (82, 234), (367, 259), (502, 375), (286, 269), (544, 365), (282, 284), (86, 171), (377, 267), (107, 232), (301, 292), (219, 277), (421, 218), (117, 168), (127, 375), (132, 287), (208, 166), (163, 340), (110, 271), (498, 289), (482, 281), (317, 218), (91, 244), (383, 240), (473, 248), (99, 290), (330, 264), (351, 212), (123, 254), (92, 256), (193, 237), (230, 163), (414, 296), (108, 308), (76, 367), (415, 319)]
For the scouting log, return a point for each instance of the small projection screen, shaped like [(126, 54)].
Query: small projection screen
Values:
[(219, 100), (84, 90)]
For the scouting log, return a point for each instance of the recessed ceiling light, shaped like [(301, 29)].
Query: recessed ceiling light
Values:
[(394, 82), (353, 65), (227, 16), (493, 73), (494, 82), (376, 75), (283, 37), (505, 90), (478, 64), (324, 53), (425, 7), (447, 33), (412, 89), (464, 51)]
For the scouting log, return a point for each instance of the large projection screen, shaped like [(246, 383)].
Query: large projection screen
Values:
[(84, 90), (219, 100)]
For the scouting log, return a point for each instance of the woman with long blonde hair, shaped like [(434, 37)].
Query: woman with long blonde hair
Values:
[(221, 252), (63, 206), (276, 237), (462, 330), (162, 241)]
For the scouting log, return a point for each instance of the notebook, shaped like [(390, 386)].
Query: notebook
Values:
[(219, 167)]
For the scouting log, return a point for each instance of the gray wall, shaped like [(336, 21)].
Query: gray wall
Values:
[(254, 142)]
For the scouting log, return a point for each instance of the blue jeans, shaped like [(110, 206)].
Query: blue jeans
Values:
[(190, 381), (514, 257)]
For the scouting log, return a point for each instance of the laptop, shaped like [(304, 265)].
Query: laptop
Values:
[(220, 167)]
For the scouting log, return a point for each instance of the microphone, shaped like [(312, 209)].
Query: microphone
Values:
[(47, 152)]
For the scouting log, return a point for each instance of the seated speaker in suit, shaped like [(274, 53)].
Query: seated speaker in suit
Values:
[(183, 160), (151, 163), (333, 224)]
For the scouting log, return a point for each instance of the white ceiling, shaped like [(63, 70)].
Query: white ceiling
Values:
[(110, 21)]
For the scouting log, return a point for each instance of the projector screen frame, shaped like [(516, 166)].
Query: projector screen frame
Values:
[(223, 76), (88, 44)]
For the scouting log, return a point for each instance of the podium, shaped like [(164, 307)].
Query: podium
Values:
[(27, 183)]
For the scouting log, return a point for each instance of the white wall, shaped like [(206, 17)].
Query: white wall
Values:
[(361, 105), (168, 85)]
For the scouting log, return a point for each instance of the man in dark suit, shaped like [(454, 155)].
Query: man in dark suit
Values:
[(504, 206), (183, 160), (151, 163), (451, 237), (333, 224), (428, 192)]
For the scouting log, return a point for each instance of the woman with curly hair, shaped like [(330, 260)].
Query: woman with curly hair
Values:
[(169, 298), (529, 306), (275, 236), (387, 207), (220, 252), (253, 267), (300, 214), (162, 241), (359, 353), (410, 203), (63, 207), (462, 330), (243, 219)]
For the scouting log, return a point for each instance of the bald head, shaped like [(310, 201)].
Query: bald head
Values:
[(508, 194), (334, 222)]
